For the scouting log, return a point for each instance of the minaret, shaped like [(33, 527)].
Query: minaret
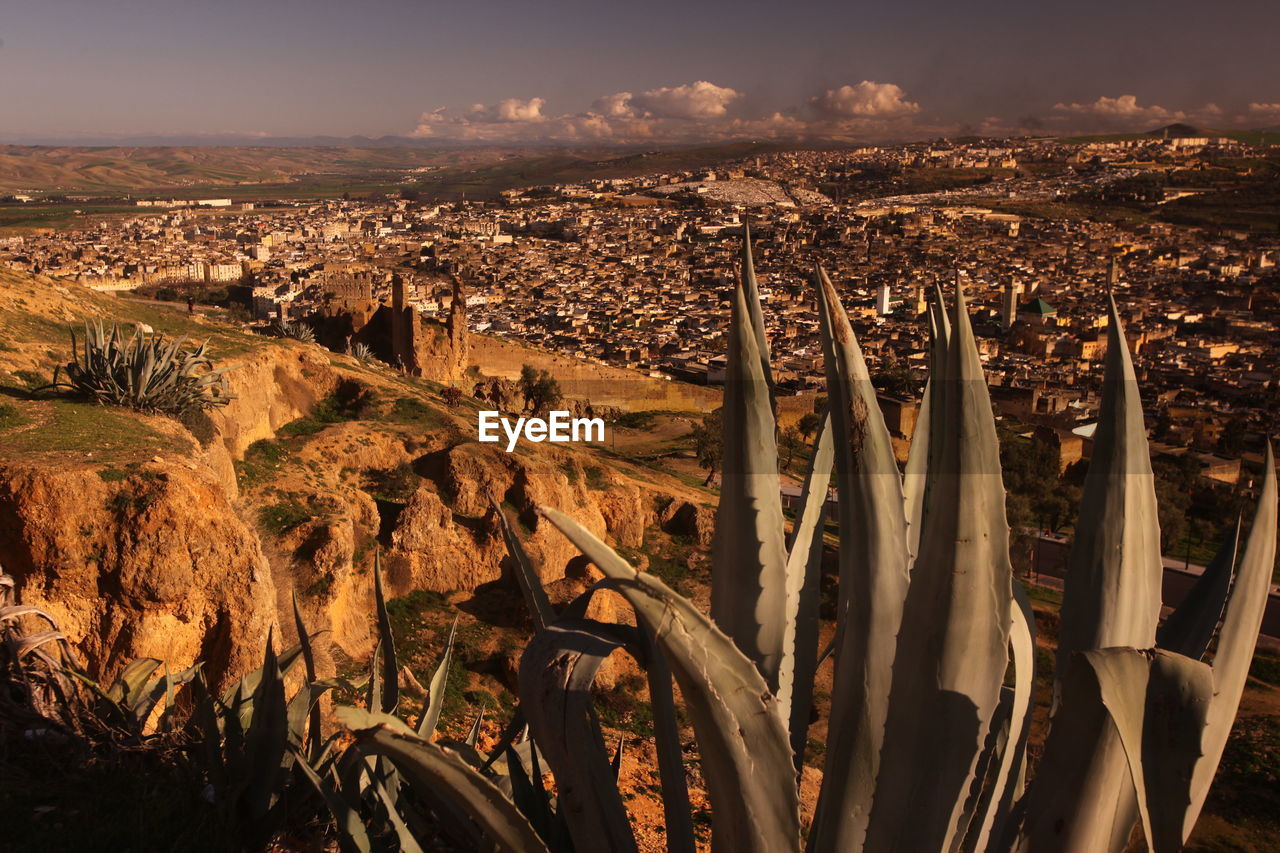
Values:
[(1113, 276), (1009, 303), (882, 300)]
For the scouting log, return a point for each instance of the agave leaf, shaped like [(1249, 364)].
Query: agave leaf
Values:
[(1112, 599), (923, 453), (127, 690), (873, 582), (954, 649), (756, 313), (435, 695), (530, 583), (1158, 702), (351, 832), (473, 734), (523, 796), (616, 764), (1238, 636), (248, 684), (31, 642), (1190, 627), (748, 556), (1114, 570), (305, 704), (746, 757), (314, 733), (441, 771), (677, 813), (206, 732), (804, 576), (556, 673), (162, 689), (390, 670), (408, 844), (1008, 780), (266, 741), (982, 786)]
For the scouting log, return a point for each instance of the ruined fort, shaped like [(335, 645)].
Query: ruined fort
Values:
[(397, 333)]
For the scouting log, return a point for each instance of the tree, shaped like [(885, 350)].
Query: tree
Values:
[(808, 425), (790, 443), (452, 395), (540, 391), (1231, 441), (708, 445), (894, 379)]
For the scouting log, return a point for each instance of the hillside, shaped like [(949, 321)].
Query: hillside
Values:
[(314, 171), (188, 541), (319, 461)]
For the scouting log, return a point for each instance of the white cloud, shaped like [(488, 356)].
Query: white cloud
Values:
[(509, 110), (614, 106), (694, 112), (867, 99), (697, 101), (1123, 108)]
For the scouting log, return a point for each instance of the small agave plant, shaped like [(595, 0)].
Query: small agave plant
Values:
[(144, 372), (934, 646)]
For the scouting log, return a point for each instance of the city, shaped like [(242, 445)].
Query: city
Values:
[(677, 428)]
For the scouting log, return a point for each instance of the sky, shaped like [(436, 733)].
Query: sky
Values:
[(576, 72)]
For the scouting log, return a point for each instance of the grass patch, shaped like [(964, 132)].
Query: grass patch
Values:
[(283, 515), (415, 413), (349, 403), (596, 478), (10, 417), (396, 485), (64, 426), (261, 459)]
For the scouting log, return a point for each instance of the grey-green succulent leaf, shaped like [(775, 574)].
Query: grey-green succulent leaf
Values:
[(1114, 570), (1008, 779), (526, 575), (874, 566), (441, 771), (746, 756), (556, 674), (1158, 702), (1190, 628), (389, 691), (1238, 636), (749, 556), (804, 571), (435, 690), (954, 647)]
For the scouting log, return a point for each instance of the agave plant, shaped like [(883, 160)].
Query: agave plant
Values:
[(362, 352), (934, 648), (144, 372), (294, 331)]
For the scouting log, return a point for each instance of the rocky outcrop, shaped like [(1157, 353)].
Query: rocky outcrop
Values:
[(682, 518), (154, 564), (271, 386), (447, 537)]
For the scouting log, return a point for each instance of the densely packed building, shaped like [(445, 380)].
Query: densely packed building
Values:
[(637, 272)]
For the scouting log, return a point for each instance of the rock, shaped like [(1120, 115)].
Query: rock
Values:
[(157, 565), (682, 518)]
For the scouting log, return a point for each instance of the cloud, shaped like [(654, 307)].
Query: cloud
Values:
[(698, 101), (509, 110), (865, 100), (694, 112), (1259, 110), (1122, 109)]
